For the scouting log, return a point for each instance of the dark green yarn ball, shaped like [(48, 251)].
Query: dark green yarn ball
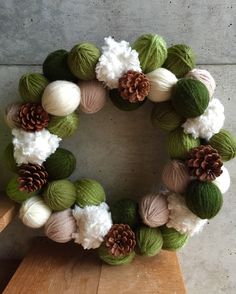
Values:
[(125, 211), (172, 239), (204, 199), (31, 87), (89, 192), (149, 240), (190, 97), (9, 158), (14, 193), (60, 164), (55, 66), (180, 60)]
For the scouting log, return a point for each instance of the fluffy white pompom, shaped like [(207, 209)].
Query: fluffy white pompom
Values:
[(93, 223), (207, 124), (116, 59), (34, 147), (223, 181), (181, 218)]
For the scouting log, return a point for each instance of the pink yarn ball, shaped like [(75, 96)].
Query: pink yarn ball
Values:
[(153, 210), (93, 96), (11, 115), (175, 176), (60, 226)]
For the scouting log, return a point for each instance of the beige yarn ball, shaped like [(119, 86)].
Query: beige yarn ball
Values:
[(162, 82), (175, 176), (11, 115), (93, 96), (61, 98), (60, 226), (34, 212), (153, 210)]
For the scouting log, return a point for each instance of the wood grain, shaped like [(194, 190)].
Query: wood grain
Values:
[(7, 269), (8, 210)]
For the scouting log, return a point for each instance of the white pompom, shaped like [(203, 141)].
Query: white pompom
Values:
[(162, 82), (223, 181), (207, 124), (93, 223), (61, 98), (34, 212)]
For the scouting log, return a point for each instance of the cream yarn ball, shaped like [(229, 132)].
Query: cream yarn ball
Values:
[(162, 82), (61, 98), (34, 212), (223, 181)]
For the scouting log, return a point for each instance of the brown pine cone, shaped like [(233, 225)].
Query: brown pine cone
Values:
[(32, 177), (120, 240), (134, 86), (33, 117), (204, 162)]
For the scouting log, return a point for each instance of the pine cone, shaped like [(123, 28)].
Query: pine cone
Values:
[(204, 162), (32, 177), (33, 117), (134, 86), (120, 240)]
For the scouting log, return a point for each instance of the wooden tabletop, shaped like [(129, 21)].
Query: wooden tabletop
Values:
[(8, 210)]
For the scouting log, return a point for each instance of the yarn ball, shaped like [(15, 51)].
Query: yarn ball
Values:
[(13, 192), (89, 192), (61, 98), (149, 240), (93, 96), (153, 210), (60, 226), (125, 211), (190, 98), (55, 66), (165, 117), (34, 213), (172, 239), (175, 176), (162, 82), (60, 194), (31, 87), (179, 144), (60, 164), (122, 104), (180, 60), (64, 126), (204, 199), (82, 60), (105, 255), (152, 51), (205, 77), (223, 181), (11, 115), (225, 143), (9, 158)]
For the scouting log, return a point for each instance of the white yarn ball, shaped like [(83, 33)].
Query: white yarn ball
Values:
[(162, 82), (223, 181), (61, 98), (34, 212)]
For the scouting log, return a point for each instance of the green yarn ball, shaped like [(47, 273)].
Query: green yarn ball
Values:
[(122, 104), (225, 143), (204, 199), (9, 158), (179, 144), (60, 195), (172, 239), (125, 211), (55, 66), (89, 192), (115, 260), (63, 126), (152, 51), (14, 193), (31, 87), (165, 117), (60, 164), (180, 60), (149, 240), (82, 60), (190, 98)]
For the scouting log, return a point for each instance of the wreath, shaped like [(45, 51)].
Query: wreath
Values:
[(194, 179)]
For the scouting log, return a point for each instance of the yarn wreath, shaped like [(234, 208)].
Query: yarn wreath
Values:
[(183, 106)]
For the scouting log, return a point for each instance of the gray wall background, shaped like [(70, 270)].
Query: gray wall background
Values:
[(121, 149)]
